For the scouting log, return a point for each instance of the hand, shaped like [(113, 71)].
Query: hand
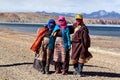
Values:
[(54, 33), (37, 52), (69, 47)]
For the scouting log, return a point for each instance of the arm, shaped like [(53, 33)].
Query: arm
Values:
[(86, 39), (68, 37)]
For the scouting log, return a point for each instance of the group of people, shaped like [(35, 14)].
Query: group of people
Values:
[(55, 43)]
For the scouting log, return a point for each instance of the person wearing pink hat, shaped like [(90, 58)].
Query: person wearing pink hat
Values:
[(62, 45)]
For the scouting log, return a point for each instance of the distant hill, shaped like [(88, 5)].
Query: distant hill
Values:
[(43, 17), (98, 14), (25, 17), (58, 14), (103, 14)]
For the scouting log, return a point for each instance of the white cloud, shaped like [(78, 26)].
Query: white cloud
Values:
[(75, 6)]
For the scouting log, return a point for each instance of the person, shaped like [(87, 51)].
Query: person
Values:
[(80, 44), (61, 42), (40, 46)]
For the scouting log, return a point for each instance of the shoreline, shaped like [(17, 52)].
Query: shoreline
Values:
[(22, 23), (36, 32), (93, 30)]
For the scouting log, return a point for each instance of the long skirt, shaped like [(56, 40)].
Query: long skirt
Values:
[(59, 51), (43, 49)]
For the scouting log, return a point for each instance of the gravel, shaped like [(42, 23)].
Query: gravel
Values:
[(16, 59)]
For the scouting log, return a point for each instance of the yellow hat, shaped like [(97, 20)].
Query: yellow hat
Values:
[(79, 16)]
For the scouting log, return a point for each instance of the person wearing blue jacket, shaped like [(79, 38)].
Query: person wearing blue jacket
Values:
[(60, 43)]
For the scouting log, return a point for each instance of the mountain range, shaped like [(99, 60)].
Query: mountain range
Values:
[(98, 14), (43, 17)]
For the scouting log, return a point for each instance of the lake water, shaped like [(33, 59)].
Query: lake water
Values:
[(102, 30)]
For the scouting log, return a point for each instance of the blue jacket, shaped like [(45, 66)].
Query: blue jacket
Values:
[(65, 37)]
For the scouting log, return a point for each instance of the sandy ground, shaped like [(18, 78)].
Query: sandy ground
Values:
[(16, 59)]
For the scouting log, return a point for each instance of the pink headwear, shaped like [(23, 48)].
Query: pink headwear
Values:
[(62, 22)]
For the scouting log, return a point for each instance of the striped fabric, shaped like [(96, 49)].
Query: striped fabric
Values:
[(59, 51)]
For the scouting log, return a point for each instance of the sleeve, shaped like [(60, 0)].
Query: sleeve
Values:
[(68, 37), (51, 43), (86, 39), (38, 39)]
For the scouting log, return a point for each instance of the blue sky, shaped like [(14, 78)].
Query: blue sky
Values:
[(72, 6)]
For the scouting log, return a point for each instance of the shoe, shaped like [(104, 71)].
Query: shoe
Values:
[(77, 73), (82, 75), (47, 69), (64, 73), (57, 72), (47, 72), (43, 72)]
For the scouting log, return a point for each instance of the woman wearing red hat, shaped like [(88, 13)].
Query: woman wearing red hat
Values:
[(80, 45)]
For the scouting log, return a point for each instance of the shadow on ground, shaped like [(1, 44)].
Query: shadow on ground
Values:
[(95, 66), (102, 74), (16, 64), (87, 73)]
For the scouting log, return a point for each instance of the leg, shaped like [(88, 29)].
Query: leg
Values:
[(49, 53), (76, 68), (80, 67), (65, 65), (57, 67), (43, 63), (43, 60)]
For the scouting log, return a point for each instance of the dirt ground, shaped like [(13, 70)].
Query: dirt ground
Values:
[(16, 59)]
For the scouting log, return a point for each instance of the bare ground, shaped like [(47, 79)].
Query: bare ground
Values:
[(16, 59)]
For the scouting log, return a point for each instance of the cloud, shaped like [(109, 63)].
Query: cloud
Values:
[(73, 6)]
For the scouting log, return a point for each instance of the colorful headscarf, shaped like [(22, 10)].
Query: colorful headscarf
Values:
[(62, 22), (79, 21), (49, 24)]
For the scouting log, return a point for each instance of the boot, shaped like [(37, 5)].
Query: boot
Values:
[(76, 67), (80, 66), (47, 69), (40, 66), (43, 67), (48, 61), (47, 66)]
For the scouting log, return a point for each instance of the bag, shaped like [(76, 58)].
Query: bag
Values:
[(37, 64)]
